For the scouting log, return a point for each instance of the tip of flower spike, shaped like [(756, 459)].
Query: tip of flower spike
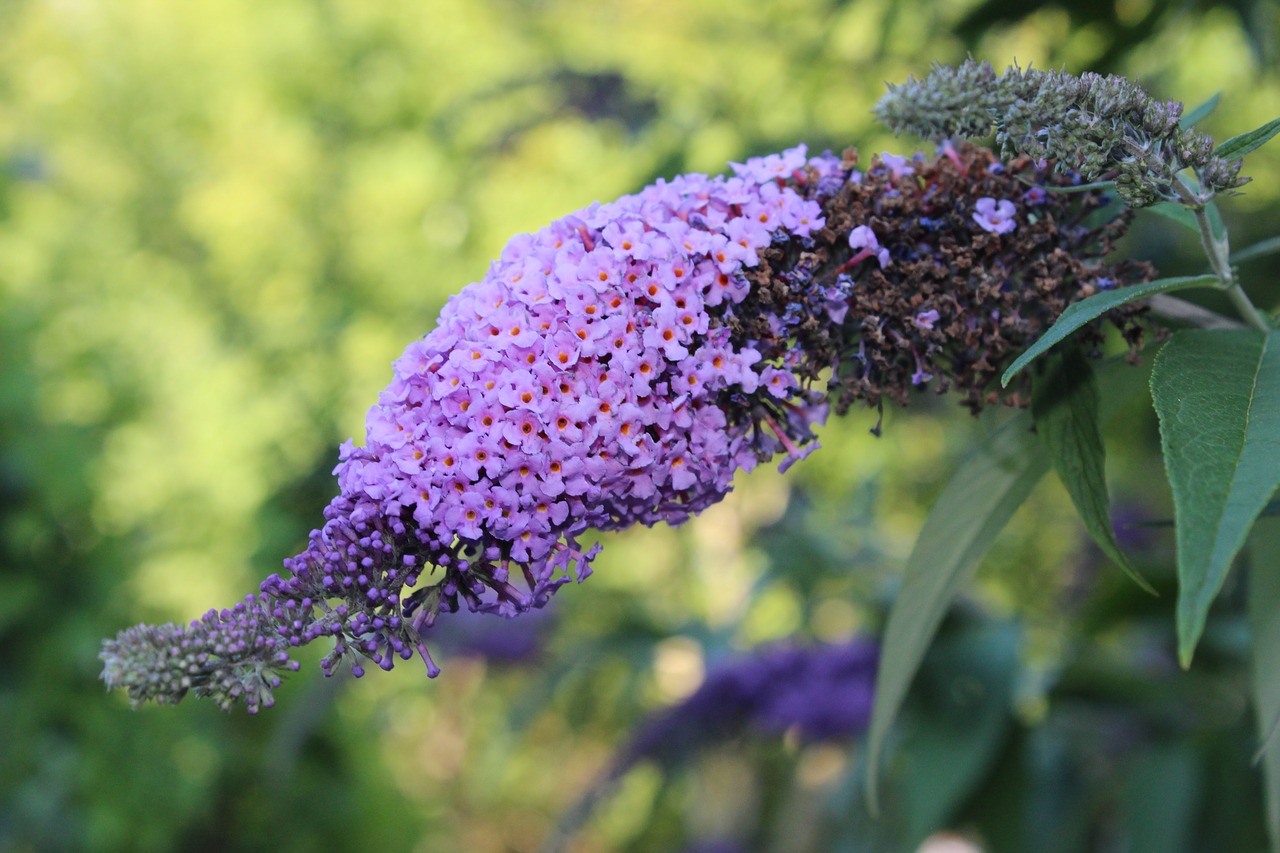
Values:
[(229, 656)]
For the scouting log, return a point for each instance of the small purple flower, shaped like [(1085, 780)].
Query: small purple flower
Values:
[(897, 165), (837, 308), (773, 167), (1035, 195), (864, 239), (926, 319), (993, 216), (946, 149)]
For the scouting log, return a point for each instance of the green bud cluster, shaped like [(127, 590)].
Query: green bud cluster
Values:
[(1104, 127)]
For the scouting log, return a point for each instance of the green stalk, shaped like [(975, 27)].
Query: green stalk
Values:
[(1218, 251)]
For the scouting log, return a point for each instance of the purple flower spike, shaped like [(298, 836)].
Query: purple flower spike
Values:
[(618, 367)]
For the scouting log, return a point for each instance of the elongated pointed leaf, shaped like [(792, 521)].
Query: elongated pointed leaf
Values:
[(1216, 224), (982, 495), (1264, 623), (1087, 310), (1257, 250), (951, 737), (1201, 112), (1163, 823), (1065, 408), (1273, 508), (1182, 215), (1175, 212), (1238, 146), (1077, 188), (1217, 393)]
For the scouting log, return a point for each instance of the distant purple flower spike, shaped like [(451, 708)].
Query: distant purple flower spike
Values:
[(821, 692)]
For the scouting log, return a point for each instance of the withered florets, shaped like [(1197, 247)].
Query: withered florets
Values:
[(961, 294)]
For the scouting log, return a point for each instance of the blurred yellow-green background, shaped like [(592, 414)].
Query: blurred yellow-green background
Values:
[(219, 224)]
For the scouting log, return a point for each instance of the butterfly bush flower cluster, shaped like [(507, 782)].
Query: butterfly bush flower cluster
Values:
[(618, 367)]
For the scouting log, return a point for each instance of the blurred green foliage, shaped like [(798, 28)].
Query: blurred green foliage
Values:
[(219, 223)]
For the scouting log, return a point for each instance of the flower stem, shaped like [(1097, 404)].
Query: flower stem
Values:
[(1177, 310), (1218, 250)]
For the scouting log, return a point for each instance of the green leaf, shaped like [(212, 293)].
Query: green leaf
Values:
[(1238, 146), (1164, 823), (1257, 250), (1086, 310), (1217, 393), (1177, 212), (1181, 214), (1264, 622), (1065, 407), (1272, 508), (954, 726), (1216, 225), (1201, 112), (990, 484)]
